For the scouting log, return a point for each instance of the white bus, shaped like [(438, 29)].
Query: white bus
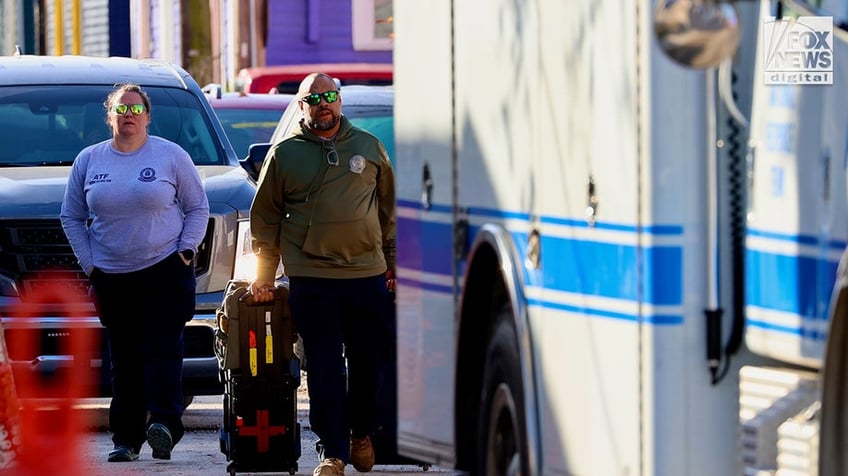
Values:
[(617, 248)]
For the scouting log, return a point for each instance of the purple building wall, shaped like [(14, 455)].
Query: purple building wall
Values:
[(314, 31)]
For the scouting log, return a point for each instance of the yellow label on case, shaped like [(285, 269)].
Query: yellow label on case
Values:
[(253, 364), (269, 339), (269, 349)]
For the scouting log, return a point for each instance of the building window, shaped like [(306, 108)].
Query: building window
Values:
[(373, 28)]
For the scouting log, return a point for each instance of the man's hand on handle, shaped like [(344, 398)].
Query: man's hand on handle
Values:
[(262, 291)]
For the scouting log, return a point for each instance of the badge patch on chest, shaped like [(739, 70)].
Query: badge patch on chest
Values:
[(357, 164), (147, 174)]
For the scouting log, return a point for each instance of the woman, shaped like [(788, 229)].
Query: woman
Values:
[(135, 212)]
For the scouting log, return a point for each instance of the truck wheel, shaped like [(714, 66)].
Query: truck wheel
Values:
[(502, 447)]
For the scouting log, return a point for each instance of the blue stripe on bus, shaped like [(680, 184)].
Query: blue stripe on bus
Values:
[(414, 283), (810, 240), (658, 230), (611, 270), (795, 331), (661, 319), (664, 230), (797, 285), (425, 246), (791, 284), (600, 269)]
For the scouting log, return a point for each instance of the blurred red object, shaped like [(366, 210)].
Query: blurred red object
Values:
[(10, 411), (50, 428)]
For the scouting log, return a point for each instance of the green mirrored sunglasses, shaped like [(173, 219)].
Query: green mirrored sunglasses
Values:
[(315, 98), (121, 109)]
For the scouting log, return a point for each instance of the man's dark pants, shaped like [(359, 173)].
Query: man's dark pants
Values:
[(338, 319)]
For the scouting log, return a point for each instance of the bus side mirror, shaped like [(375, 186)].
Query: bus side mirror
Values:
[(697, 33)]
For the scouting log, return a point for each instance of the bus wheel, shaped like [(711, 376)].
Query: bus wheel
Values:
[(502, 442)]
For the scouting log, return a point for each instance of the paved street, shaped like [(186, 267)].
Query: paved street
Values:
[(199, 452)]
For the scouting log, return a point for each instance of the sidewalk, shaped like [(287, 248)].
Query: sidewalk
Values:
[(199, 452)]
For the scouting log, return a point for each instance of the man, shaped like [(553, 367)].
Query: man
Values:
[(326, 204)]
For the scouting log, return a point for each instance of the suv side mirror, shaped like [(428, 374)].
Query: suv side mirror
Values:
[(255, 157)]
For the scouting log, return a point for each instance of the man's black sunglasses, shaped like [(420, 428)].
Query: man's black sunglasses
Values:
[(315, 98)]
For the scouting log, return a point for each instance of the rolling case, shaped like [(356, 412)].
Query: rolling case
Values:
[(260, 373)]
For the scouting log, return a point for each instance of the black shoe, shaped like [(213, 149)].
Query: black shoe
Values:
[(122, 454), (159, 439)]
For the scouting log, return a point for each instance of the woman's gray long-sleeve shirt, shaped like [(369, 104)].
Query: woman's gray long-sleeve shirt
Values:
[(143, 206)]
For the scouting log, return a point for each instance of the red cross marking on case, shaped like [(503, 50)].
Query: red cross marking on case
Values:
[(263, 431)]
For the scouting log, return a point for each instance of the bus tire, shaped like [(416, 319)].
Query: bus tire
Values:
[(502, 441)]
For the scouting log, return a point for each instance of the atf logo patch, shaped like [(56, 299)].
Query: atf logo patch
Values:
[(147, 174)]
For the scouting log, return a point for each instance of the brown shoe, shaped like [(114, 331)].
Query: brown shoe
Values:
[(330, 467), (361, 454)]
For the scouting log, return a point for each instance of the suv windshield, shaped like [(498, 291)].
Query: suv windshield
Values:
[(50, 124), (377, 120), (248, 126)]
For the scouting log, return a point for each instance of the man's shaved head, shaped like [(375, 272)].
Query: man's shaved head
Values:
[(306, 85)]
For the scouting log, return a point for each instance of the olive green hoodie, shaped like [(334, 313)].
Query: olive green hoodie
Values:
[(327, 221)]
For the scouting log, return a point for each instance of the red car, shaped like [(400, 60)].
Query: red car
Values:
[(287, 78), (247, 118)]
